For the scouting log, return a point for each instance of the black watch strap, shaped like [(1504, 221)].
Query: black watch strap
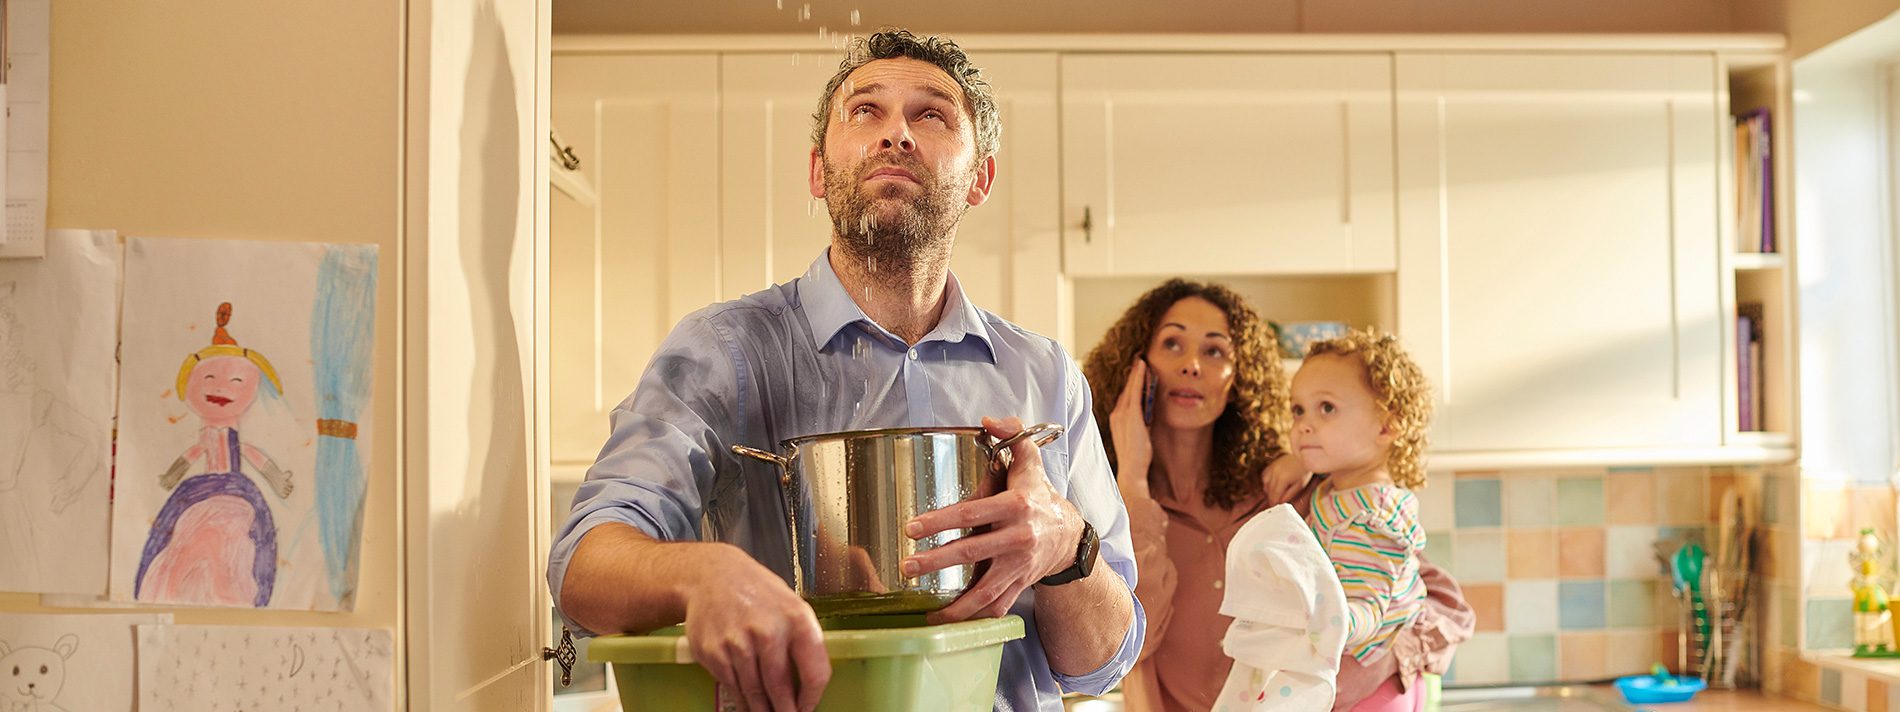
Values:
[(1085, 555)]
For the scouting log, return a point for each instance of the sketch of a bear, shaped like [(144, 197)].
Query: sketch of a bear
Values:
[(30, 678)]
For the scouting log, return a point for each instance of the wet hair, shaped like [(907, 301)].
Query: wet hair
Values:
[(892, 43), (1251, 432), (1400, 388)]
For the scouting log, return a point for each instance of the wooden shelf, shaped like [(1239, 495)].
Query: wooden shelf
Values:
[(1758, 260), (1738, 454)]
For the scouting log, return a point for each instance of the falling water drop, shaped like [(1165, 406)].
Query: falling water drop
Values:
[(822, 32), (854, 17), (873, 260), (794, 59), (780, 3), (811, 208), (804, 13)]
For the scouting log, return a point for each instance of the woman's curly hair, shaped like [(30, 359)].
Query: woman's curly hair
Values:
[(1251, 432), (1400, 387)]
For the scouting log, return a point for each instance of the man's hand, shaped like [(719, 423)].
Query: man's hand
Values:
[(749, 630), (1033, 533), (1284, 479)]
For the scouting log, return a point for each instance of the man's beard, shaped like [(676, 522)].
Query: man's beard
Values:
[(896, 233)]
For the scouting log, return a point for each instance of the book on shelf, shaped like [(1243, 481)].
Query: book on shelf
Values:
[(1754, 182), (1748, 368)]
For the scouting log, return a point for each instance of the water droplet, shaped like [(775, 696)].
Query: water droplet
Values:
[(873, 260), (811, 208), (804, 13), (779, 3), (854, 17), (822, 32), (794, 59)]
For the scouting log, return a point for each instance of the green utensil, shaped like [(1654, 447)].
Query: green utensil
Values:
[(1689, 561)]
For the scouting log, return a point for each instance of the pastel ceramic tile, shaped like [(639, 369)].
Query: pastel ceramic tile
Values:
[(1682, 497), (1530, 500), (1771, 502), (1580, 553), (1854, 693), (1871, 507), (1830, 623), (1487, 602), (1530, 607), (1478, 502), (1632, 602), (1824, 511), (1533, 658), (1629, 652), (1438, 549), (1628, 553), (1478, 556), (1482, 660), (1533, 553), (1580, 605), (1629, 499), (1830, 692), (1789, 610), (1580, 501), (1583, 656), (1437, 504), (1879, 696)]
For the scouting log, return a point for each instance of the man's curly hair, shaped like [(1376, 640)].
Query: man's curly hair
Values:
[(1251, 432), (892, 43), (1402, 392)]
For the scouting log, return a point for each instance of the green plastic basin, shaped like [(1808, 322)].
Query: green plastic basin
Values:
[(890, 662)]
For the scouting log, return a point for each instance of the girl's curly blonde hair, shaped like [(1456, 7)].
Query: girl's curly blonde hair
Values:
[(1251, 432), (1401, 390)]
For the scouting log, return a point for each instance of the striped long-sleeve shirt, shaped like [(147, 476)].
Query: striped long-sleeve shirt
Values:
[(1373, 537)]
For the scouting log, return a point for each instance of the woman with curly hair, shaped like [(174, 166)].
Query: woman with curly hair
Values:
[(1194, 412)]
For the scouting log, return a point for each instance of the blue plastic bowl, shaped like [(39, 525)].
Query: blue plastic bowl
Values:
[(1647, 689)]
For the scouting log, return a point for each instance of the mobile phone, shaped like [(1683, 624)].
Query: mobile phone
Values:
[(1148, 396)]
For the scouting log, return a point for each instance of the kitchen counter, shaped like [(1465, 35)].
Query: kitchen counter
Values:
[(1731, 701)]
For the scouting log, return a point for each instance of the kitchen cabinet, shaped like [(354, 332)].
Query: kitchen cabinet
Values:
[(1227, 164), (626, 268), (1557, 272), (1006, 256)]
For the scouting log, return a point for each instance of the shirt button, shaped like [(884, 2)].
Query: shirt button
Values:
[(913, 354), (1217, 584)]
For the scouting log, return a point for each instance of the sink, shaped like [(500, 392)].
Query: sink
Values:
[(1554, 698)]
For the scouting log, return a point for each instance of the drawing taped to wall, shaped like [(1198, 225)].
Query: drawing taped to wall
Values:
[(240, 479), (242, 668), (58, 332), (69, 663)]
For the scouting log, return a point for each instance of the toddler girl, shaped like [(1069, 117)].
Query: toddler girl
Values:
[(1360, 407)]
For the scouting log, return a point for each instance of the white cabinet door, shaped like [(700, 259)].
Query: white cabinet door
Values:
[(1557, 272), (624, 270), (1227, 164), (1006, 253)]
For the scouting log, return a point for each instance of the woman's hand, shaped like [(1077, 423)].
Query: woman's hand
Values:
[(1133, 451), (1284, 478)]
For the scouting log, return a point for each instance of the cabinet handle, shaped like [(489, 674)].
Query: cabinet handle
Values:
[(1088, 225)]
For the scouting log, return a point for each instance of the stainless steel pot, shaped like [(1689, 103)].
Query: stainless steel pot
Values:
[(847, 496)]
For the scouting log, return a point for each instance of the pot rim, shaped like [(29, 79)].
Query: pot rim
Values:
[(880, 432)]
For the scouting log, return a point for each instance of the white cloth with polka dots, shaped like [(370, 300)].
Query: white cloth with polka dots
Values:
[(1289, 617)]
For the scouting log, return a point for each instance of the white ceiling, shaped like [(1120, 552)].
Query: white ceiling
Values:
[(1158, 16)]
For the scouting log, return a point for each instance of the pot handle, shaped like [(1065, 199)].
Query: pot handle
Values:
[(1044, 433), (757, 454)]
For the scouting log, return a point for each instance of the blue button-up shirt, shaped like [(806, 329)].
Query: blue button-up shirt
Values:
[(801, 358)]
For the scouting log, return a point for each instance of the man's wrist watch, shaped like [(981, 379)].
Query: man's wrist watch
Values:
[(1085, 555)]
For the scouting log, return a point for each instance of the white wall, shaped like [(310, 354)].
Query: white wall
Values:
[(255, 121), (1843, 221)]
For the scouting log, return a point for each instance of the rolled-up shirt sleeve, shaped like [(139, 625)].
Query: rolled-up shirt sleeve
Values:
[(658, 461), (1092, 489)]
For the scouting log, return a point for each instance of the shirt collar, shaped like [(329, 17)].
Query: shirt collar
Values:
[(828, 310)]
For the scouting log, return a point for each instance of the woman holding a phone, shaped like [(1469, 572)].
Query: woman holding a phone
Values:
[(1192, 405)]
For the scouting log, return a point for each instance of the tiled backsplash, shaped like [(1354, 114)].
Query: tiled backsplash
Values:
[(1560, 565)]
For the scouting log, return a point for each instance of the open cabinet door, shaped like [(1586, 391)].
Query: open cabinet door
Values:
[(474, 268)]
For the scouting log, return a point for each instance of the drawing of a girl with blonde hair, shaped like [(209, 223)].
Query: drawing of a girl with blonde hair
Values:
[(214, 541)]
